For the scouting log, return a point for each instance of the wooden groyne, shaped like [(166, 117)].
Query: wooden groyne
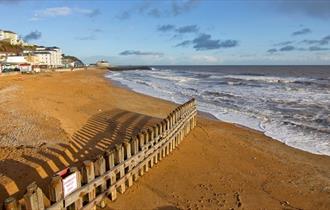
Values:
[(112, 172)]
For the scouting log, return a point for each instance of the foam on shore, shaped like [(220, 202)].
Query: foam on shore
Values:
[(225, 97)]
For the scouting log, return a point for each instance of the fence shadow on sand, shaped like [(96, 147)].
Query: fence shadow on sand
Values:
[(101, 131)]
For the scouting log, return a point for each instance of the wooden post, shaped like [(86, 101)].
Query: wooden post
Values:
[(113, 190), (168, 124), (156, 157), (176, 140), (167, 149), (164, 124), (110, 163), (99, 166), (173, 141), (128, 152), (151, 134), (151, 162), (171, 120), (135, 146), (10, 204), (109, 159), (170, 145), (146, 166), (135, 176), (141, 170), (141, 140), (160, 128), (164, 151), (180, 112), (146, 136), (119, 159), (175, 116), (127, 149), (79, 202), (175, 112), (88, 175), (160, 157), (34, 198), (189, 125), (56, 189), (155, 131), (130, 180)]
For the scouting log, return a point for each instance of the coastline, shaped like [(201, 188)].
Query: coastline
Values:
[(218, 165), (210, 115), (202, 113)]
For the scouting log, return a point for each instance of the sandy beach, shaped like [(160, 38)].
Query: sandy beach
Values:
[(53, 120)]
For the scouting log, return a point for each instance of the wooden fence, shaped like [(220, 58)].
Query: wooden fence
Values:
[(113, 171)]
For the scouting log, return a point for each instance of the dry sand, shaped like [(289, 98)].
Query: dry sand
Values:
[(52, 120)]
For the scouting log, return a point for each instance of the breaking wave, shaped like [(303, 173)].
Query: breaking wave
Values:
[(291, 107)]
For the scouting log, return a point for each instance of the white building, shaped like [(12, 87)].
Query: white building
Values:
[(56, 57), (44, 58), (50, 56), (16, 63), (9, 36)]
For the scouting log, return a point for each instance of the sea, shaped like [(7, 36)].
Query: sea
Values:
[(288, 103)]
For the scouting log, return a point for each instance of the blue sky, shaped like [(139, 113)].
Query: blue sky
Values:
[(177, 31)]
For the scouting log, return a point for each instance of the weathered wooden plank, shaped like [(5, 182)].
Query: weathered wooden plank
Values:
[(135, 155)]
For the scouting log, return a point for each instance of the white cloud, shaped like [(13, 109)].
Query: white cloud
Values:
[(87, 12), (63, 11), (53, 12), (206, 59)]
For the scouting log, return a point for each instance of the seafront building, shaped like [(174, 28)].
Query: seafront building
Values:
[(12, 38), (9, 36), (51, 57), (32, 60), (35, 57), (16, 63)]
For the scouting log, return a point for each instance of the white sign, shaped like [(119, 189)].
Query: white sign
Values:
[(70, 184)]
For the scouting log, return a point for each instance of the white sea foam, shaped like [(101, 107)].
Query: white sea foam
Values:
[(291, 112)]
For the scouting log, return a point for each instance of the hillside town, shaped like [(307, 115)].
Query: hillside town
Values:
[(16, 55)]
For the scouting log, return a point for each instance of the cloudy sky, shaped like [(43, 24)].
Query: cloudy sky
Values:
[(229, 32)]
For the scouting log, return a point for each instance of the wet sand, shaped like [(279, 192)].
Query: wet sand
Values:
[(52, 120)]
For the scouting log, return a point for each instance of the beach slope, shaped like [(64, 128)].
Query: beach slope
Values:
[(218, 165)]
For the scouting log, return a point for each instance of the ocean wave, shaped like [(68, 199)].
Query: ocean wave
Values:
[(180, 79), (219, 94), (265, 79), (293, 110)]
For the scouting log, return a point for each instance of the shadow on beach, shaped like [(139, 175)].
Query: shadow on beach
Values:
[(101, 132)]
